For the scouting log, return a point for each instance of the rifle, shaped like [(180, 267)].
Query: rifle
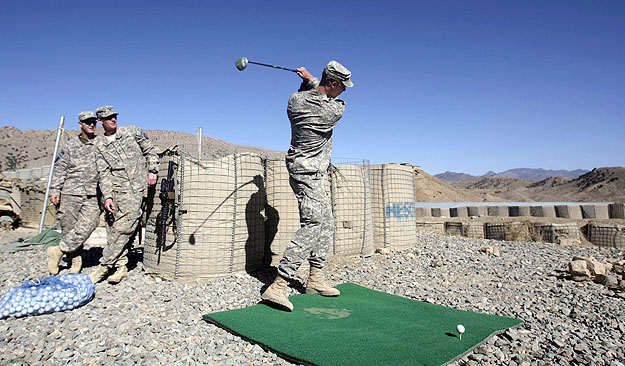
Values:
[(167, 196)]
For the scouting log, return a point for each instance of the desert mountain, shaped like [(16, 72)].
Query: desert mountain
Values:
[(519, 173), (600, 184), (431, 189), (34, 148), (453, 176)]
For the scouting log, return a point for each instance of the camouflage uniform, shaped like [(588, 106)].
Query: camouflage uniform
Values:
[(123, 166), (313, 115), (75, 179)]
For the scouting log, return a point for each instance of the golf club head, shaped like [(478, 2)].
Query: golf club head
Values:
[(241, 63)]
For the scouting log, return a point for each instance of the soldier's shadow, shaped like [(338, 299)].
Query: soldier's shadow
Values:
[(91, 257)]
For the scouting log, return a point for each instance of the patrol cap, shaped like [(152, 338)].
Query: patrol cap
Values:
[(338, 72), (106, 111), (83, 116)]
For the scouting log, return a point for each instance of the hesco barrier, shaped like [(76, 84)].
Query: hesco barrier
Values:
[(555, 233), (436, 227), (351, 203), (606, 235), (31, 203), (220, 228), (509, 231), (473, 230), (220, 224), (617, 211), (453, 228), (281, 210), (393, 203)]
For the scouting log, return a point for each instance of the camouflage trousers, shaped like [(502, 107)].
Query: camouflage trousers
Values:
[(79, 216), (121, 228), (312, 240)]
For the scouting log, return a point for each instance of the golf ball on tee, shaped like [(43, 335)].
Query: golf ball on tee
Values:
[(460, 329)]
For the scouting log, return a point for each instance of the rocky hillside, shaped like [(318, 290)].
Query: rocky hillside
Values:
[(431, 189), (600, 184), (33, 148)]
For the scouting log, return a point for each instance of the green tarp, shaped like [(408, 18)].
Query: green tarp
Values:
[(45, 239), (362, 327)]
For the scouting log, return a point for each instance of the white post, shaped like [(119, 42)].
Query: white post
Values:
[(199, 144), (56, 149)]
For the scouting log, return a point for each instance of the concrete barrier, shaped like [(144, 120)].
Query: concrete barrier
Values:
[(596, 211), (543, 211), (501, 211), (569, 211), (516, 211), (423, 212), (441, 212), (459, 211), (477, 211)]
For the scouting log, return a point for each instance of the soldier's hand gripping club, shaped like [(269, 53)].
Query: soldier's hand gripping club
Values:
[(304, 74)]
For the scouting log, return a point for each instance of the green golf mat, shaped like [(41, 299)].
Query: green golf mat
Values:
[(362, 327)]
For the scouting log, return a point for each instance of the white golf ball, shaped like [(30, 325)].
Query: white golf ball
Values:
[(460, 328)]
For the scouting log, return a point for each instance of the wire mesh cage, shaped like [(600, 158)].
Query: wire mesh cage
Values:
[(393, 206), (282, 210), (219, 223), (473, 230), (239, 213), (453, 228), (351, 205), (606, 235), (617, 210), (348, 185), (555, 232), (436, 227)]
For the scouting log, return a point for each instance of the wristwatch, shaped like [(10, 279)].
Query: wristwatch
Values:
[(153, 171)]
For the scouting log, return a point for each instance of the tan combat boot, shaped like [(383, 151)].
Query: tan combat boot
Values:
[(121, 273), (276, 294), (99, 274), (76, 258), (315, 284), (54, 257)]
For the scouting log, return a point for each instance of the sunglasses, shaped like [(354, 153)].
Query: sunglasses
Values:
[(90, 122)]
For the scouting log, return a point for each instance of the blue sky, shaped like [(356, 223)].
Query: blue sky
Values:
[(466, 86)]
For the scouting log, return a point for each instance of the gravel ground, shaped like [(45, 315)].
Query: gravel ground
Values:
[(147, 321)]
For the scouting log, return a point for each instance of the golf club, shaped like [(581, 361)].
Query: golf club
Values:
[(243, 61)]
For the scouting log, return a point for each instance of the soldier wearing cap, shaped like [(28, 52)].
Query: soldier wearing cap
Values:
[(313, 111), (127, 164), (74, 190)]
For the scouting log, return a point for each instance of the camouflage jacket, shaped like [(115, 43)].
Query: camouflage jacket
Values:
[(123, 163), (313, 115), (74, 169)]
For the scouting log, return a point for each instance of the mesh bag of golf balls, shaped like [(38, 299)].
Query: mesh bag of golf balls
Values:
[(47, 295)]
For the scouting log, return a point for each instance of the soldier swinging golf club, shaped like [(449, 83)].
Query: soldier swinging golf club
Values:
[(242, 62), (313, 112)]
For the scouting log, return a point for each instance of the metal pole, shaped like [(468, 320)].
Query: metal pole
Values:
[(56, 149), (199, 144)]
